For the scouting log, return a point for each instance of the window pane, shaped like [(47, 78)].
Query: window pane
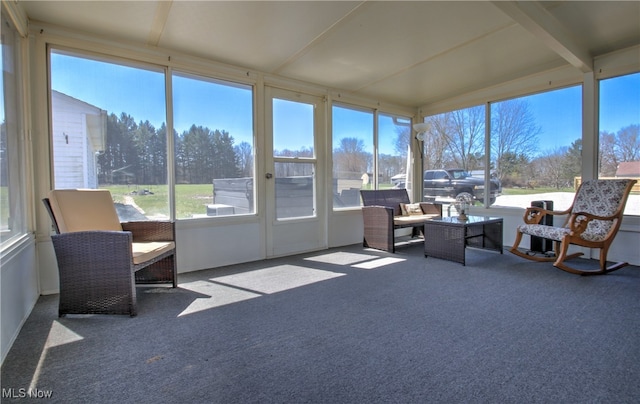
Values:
[(12, 215), (108, 131), (352, 155), (214, 153), (394, 140), (293, 140), (454, 157), (536, 146), (292, 129), (619, 153), (294, 189)]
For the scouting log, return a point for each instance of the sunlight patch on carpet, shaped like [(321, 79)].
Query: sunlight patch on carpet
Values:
[(341, 258), (58, 335), (276, 279), (378, 263), (216, 296)]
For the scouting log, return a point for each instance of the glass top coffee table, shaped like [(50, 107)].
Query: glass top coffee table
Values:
[(447, 237)]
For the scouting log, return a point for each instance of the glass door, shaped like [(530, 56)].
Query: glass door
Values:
[(296, 217)]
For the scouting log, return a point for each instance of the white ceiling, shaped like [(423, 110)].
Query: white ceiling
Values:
[(410, 53)]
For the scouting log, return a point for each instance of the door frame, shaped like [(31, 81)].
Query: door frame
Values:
[(295, 235)]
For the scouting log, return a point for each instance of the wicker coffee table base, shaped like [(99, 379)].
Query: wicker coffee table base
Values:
[(447, 238)]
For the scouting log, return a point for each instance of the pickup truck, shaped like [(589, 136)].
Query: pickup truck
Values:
[(459, 184)]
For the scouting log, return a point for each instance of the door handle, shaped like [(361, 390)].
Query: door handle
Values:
[(268, 176)]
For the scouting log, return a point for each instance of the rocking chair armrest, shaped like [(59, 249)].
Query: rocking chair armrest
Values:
[(578, 221), (534, 214), (151, 230), (591, 216)]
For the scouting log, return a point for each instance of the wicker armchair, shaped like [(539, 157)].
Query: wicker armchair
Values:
[(593, 221), (100, 260)]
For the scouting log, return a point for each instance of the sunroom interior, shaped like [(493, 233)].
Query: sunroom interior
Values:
[(315, 82)]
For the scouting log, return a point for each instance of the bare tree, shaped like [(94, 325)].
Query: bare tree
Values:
[(628, 143), (350, 158), (403, 139), (455, 139), (552, 168), (390, 165), (244, 152), (513, 130), (435, 143), (608, 159), (617, 148), (465, 138)]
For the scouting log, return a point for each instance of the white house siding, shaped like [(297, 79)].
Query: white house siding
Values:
[(73, 148), (91, 172)]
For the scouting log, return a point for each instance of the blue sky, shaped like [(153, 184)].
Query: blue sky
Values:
[(560, 117), (214, 105), (141, 94), (621, 102), (292, 125)]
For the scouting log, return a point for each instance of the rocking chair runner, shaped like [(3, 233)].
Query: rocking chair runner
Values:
[(593, 222)]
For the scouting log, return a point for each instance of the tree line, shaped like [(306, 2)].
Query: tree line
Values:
[(351, 160), (456, 139), (136, 153)]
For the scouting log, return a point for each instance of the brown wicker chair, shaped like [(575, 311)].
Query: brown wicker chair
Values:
[(100, 260), (593, 221)]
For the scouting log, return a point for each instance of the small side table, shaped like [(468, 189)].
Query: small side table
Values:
[(447, 237)]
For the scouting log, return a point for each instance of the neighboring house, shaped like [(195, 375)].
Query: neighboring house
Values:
[(628, 169), (79, 132)]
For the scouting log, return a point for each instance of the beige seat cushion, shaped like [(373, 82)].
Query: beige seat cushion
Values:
[(84, 210), (405, 220), (146, 251)]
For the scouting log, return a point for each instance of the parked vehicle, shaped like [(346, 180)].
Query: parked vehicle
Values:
[(459, 184), (399, 180)]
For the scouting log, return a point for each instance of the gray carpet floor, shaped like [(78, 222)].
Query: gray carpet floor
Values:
[(347, 325)]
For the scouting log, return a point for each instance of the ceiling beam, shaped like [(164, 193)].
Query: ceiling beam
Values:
[(532, 16), (322, 36), (159, 20)]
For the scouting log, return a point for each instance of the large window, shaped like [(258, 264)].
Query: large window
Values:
[(214, 150), (536, 143), (454, 157), (109, 131), (12, 185), (619, 151), (535, 150), (455, 140), (352, 154), (394, 149), (364, 158)]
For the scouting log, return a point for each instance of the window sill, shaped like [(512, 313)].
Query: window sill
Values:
[(15, 245)]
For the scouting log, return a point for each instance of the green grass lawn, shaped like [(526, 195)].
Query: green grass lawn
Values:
[(190, 198)]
